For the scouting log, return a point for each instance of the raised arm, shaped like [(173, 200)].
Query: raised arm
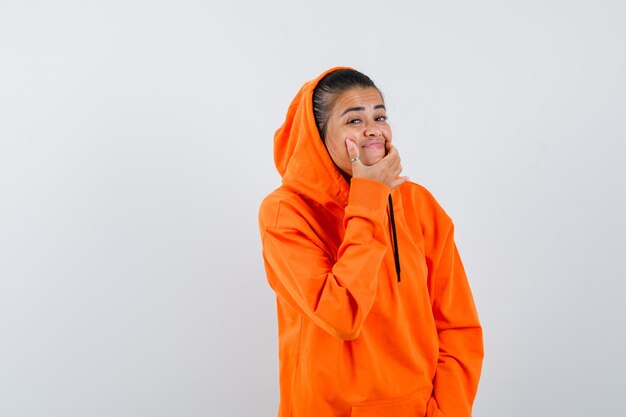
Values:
[(338, 294)]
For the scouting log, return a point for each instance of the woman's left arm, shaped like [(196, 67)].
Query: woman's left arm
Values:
[(458, 328)]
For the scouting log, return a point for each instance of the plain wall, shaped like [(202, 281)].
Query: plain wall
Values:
[(136, 146)]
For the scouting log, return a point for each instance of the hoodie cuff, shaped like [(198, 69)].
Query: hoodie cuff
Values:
[(368, 193)]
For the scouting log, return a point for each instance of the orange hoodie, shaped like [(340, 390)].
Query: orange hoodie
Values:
[(353, 339)]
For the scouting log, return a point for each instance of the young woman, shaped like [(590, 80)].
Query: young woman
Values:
[(375, 314)]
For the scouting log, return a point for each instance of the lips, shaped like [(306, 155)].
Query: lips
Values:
[(375, 144)]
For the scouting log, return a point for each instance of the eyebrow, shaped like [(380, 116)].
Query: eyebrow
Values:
[(348, 110)]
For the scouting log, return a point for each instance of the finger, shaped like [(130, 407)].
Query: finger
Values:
[(393, 157), (353, 151), (395, 170), (388, 148), (391, 150)]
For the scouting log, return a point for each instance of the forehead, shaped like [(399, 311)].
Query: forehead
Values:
[(358, 97)]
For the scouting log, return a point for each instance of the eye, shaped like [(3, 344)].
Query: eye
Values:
[(382, 118), (354, 121)]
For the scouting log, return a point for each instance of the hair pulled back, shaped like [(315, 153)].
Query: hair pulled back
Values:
[(330, 87)]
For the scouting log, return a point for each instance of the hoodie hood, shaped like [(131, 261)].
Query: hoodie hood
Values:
[(300, 155)]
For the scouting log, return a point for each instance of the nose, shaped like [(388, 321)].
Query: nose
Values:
[(371, 130)]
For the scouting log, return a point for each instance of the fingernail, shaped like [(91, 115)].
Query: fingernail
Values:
[(349, 143)]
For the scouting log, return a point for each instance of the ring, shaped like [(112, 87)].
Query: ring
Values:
[(356, 158)]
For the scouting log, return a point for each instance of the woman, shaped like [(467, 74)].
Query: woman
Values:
[(375, 314)]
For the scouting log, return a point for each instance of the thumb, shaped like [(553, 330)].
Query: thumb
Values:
[(353, 151)]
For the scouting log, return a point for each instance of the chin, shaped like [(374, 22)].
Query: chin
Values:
[(371, 160)]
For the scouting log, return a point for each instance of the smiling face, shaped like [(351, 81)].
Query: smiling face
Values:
[(358, 114)]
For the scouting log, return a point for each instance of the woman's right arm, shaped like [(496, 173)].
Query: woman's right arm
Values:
[(337, 296)]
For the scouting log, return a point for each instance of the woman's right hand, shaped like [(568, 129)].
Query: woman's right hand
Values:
[(386, 170)]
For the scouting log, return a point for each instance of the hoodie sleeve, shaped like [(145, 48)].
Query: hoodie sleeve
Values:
[(335, 295), (458, 327)]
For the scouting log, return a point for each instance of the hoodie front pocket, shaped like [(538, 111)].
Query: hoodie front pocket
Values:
[(412, 405)]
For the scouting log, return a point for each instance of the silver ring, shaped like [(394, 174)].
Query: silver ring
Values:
[(356, 158)]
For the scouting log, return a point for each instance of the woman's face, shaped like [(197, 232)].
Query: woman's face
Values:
[(359, 115)]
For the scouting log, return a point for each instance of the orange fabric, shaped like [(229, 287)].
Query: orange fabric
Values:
[(352, 340)]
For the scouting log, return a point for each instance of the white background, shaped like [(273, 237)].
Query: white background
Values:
[(136, 146)]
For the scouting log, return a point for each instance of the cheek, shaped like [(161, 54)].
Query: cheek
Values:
[(334, 149), (340, 152), (336, 140), (387, 132), (339, 155)]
